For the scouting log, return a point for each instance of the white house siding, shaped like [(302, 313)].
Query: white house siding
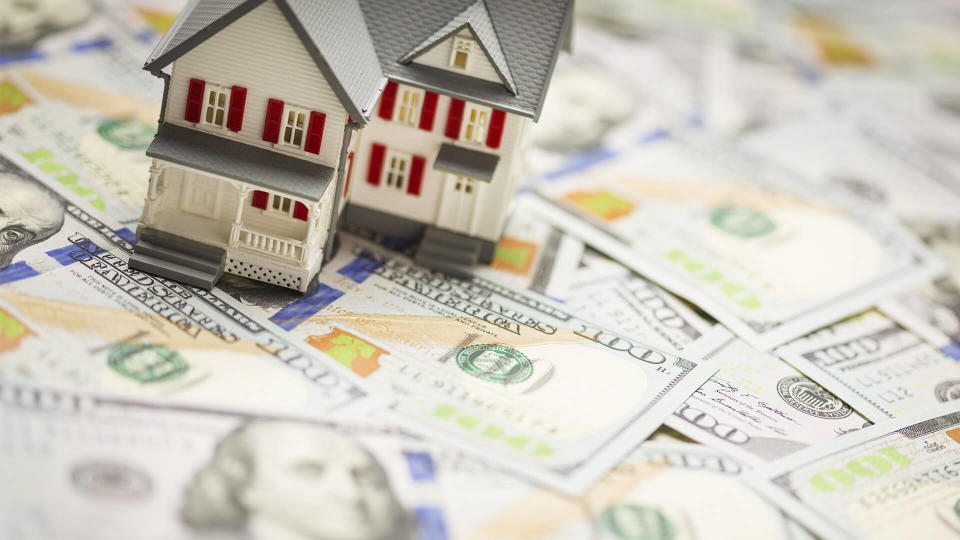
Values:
[(492, 199), (478, 65), (262, 53)]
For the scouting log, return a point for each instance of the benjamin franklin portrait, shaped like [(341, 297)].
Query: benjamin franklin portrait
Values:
[(292, 480), (29, 214)]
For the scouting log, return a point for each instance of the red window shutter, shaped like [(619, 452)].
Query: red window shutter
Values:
[(194, 100), (346, 183), (238, 99), (416, 175), (387, 100), (315, 132), (271, 124), (377, 153), (495, 132), (259, 199), (300, 211), (454, 117), (428, 111)]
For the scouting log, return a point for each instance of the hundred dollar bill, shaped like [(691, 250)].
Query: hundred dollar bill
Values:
[(751, 245), (64, 278), (79, 465), (756, 407), (661, 490), (494, 370), (877, 366), (97, 156), (899, 479)]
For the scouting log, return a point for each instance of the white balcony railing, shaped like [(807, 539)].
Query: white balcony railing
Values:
[(284, 248)]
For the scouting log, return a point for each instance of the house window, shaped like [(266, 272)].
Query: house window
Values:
[(465, 185), (397, 169), (475, 123), (294, 124), (461, 52), (281, 204), (215, 106), (408, 106)]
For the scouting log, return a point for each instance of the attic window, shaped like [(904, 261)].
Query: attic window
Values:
[(462, 47)]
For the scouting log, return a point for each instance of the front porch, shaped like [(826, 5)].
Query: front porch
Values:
[(267, 235)]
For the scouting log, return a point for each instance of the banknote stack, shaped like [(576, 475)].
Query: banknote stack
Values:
[(726, 304)]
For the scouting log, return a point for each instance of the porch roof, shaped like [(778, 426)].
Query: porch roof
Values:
[(466, 162), (239, 161)]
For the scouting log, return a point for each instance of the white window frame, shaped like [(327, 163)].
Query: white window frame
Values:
[(276, 199), (464, 45), (409, 113), (396, 170), (285, 122), (477, 131), (217, 90)]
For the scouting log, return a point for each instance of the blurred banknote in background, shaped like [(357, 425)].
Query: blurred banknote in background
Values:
[(750, 244)]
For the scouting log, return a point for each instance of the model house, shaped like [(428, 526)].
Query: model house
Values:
[(282, 119)]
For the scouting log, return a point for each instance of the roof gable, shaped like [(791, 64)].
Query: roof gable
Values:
[(476, 18), (530, 34), (333, 32)]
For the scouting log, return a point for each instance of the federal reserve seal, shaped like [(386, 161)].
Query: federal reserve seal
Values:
[(948, 390), (126, 134), (495, 363), (636, 522), (147, 363), (808, 397)]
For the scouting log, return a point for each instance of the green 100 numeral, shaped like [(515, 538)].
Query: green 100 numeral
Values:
[(867, 466)]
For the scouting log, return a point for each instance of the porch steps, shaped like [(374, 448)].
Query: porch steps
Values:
[(448, 252), (177, 258)]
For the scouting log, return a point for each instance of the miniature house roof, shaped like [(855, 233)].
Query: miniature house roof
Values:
[(332, 31), (476, 18), (522, 38), (355, 46)]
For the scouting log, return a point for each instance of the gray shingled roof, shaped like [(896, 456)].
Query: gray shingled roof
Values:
[(333, 31), (477, 19), (530, 34), (234, 159)]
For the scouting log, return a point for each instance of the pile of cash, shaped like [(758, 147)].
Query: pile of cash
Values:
[(726, 304)]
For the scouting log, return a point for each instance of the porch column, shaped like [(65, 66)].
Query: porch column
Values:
[(155, 189), (235, 229), (311, 241)]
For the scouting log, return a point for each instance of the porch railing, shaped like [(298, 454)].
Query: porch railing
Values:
[(284, 248)]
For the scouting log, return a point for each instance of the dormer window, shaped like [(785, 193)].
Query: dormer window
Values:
[(460, 55)]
